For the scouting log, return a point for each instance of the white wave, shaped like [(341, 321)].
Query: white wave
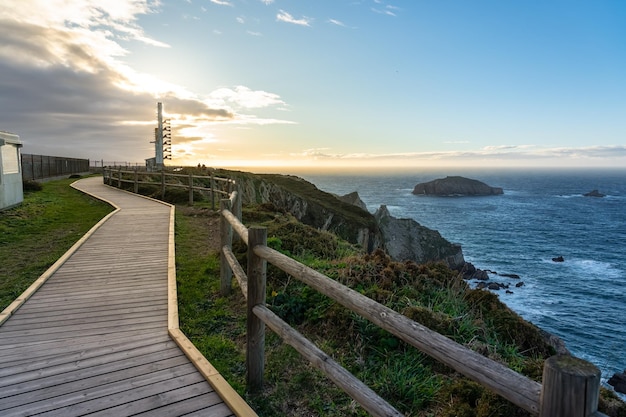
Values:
[(569, 196), (598, 269)]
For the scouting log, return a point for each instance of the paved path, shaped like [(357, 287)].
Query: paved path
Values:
[(93, 339)]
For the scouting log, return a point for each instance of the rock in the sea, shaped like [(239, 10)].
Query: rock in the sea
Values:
[(469, 271), (618, 382), (513, 276), (519, 284), (594, 193), (494, 286), (558, 259), (456, 186)]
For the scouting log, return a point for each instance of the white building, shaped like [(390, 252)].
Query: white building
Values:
[(11, 188)]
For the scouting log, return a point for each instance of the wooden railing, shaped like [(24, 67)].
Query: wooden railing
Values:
[(218, 186), (570, 385)]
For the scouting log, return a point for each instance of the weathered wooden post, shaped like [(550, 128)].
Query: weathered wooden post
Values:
[(570, 388), (136, 188), (212, 192), (226, 239), (190, 189), (119, 177), (162, 184), (237, 209), (257, 272)]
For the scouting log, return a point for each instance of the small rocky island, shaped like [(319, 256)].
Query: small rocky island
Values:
[(456, 186), (594, 193)]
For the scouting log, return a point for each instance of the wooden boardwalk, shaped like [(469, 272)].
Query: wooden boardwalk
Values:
[(96, 338)]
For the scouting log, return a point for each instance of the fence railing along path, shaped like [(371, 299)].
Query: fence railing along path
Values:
[(570, 386), (98, 333), (123, 177)]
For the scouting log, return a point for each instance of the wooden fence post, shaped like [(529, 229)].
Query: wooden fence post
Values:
[(226, 239), (570, 387), (212, 192), (136, 181), (190, 189), (162, 184), (257, 272), (237, 210), (119, 178)]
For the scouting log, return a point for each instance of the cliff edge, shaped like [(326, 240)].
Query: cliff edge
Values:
[(348, 218)]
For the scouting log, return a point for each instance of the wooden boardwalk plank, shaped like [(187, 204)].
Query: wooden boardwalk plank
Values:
[(100, 385), (93, 339), (43, 349)]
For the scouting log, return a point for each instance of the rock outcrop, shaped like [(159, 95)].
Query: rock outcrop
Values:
[(311, 206), (456, 186), (347, 217), (354, 199), (406, 239), (594, 193), (618, 382)]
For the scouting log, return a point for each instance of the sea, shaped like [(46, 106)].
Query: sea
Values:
[(541, 215)]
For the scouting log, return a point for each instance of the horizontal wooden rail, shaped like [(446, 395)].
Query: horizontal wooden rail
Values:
[(237, 270), (516, 388), (121, 176), (373, 403), (238, 227)]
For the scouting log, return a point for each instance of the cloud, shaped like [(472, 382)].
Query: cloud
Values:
[(339, 23), (66, 90), (388, 9), (221, 2), (245, 97), (523, 154), (283, 16), (267, 2)]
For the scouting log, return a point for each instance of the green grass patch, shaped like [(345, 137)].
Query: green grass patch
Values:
[(36, 233)]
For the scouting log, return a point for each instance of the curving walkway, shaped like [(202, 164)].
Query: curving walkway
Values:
[(94, 339)]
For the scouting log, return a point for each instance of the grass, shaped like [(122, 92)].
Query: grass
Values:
[(411, 381), (36, 233)]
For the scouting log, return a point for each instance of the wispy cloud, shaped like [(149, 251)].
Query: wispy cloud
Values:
[(245, 97), (523, 154), (339, 23), (222, 2), (283, 16), (386, 9)]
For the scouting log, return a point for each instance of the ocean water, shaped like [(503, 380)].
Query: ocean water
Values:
[(541, 215)]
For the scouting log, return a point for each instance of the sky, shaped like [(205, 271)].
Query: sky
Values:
[(270, 84)]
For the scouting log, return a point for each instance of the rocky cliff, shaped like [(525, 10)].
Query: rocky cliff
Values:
[(311, 206), (456, 186), (406, 239), (347, 217)]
